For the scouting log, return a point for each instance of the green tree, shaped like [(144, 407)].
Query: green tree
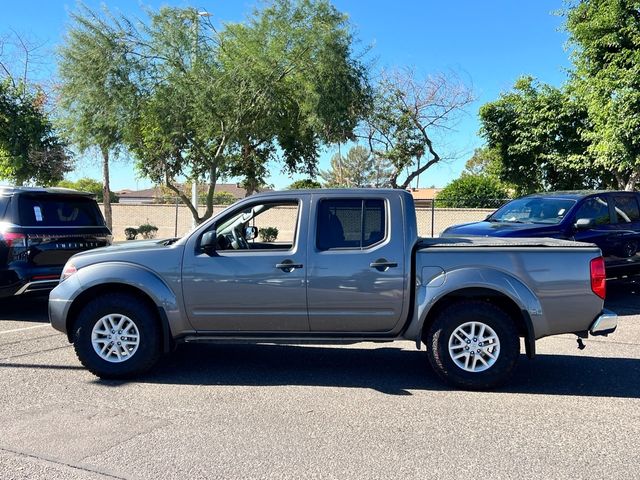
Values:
[(30, 151), (484, 161), (304, 184), (536, 132), (409, 117), (472, 191), (295, 84), (96, 96), (209, 103), (359, 168), (88, 185), (605, 40)]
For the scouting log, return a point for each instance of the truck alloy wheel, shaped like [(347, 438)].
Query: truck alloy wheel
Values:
[(115, 338), (473, 344), (116, 335)]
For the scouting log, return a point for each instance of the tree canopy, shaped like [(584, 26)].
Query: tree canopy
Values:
[(30, 151), (473, 191), (357, 169), (90, 185), (605, 40), (536, 131), (304, 184), (96, 96), (585, 134), (197, 101)]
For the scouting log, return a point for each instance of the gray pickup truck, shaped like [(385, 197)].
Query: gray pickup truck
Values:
[(330, 267)]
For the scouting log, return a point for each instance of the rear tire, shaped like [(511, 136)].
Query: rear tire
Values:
[(116, 336), (473, 345)]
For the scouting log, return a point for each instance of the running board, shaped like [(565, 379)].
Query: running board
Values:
[(284, 340)]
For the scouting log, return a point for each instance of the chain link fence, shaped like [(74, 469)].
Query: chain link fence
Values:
[(174, 219)]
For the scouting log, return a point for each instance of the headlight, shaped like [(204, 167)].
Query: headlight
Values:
[(68, 270)]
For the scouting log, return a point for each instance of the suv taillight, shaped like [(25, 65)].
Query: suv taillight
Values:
[(598, 277), (14, 239)]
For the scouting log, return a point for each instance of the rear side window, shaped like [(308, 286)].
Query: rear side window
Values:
[(626, 208), (596, 209), (59, 211), (347, 223)]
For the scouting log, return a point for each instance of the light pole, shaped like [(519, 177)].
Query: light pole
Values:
[(194, 181)]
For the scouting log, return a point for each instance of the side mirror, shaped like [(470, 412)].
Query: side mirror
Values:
[(584, 223), (250, 233), (208, 242)]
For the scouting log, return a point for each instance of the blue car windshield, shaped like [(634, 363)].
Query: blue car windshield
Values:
[(533, 210)]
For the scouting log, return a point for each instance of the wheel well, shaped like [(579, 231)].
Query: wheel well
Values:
[(493, 297), (91, 293)]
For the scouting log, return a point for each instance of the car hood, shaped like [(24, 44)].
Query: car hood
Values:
[(143, 252), (499, 229)]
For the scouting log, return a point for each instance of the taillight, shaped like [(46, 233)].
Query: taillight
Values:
[(14, 239), (598, 277)]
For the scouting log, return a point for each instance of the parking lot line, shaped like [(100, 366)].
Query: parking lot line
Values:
[(25, 328)]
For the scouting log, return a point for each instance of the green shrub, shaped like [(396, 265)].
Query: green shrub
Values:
[(130, 233), (268, 234), (147, 230), (473, 191)]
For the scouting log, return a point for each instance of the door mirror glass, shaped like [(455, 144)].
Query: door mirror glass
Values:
[(250, 233), (584, 223)]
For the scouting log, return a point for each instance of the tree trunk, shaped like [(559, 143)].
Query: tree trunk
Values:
[(106, 191), (250, 181)]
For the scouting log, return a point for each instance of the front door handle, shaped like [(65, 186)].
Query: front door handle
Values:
[(288, 266), (382, 265)]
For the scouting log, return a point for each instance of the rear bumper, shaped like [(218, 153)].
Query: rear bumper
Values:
[(20, 279), (604, 324)]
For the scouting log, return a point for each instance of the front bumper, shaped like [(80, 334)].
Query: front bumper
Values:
[(604, 324), (60, 300)]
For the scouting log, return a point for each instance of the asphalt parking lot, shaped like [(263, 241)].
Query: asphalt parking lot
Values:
[(363, 411)]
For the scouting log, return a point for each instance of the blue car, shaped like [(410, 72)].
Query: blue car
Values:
[(610, 219)]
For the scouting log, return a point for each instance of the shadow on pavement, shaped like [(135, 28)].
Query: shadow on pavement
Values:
[(24, 308), (387, 370), (623, 296)]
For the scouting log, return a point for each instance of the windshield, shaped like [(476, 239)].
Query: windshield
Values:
[(533, 210)]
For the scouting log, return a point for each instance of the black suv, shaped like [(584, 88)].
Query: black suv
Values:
[(40, 228)]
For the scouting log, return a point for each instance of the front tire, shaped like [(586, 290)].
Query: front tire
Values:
[(116, 336), (473, 345)]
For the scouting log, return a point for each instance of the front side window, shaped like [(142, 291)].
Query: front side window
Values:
[(596, 209), (626, 208), (350, 223), (263, 226)]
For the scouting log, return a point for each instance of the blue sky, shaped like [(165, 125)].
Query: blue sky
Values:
[(489, 44)]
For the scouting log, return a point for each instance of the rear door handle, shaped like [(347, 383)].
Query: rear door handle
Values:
[(288, 266), (382, 265)]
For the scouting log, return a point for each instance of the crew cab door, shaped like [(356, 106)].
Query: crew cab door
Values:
[(596, 209), (250, 284), (356, 264)]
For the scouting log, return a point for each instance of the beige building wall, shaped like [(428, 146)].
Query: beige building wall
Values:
[(164, 217)]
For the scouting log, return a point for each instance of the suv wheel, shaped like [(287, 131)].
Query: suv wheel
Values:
[(473, 345), (116, 336)]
